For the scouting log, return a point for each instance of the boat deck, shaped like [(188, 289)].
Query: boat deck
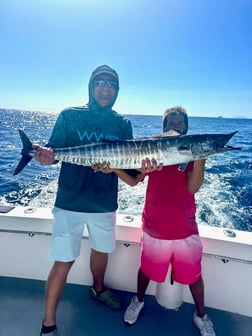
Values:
[(22, 308)]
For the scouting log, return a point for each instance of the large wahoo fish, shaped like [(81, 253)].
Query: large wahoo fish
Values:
[(128, 154)]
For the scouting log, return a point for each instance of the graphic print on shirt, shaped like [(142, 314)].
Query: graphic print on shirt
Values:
[(95, 136)]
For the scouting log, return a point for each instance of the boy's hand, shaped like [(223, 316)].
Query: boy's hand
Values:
[(149, 166), (103, 168)]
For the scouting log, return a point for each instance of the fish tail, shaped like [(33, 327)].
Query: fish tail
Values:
[(26, 157)]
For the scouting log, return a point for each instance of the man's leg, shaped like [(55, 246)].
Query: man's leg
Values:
[(54, 288), (98, 264)]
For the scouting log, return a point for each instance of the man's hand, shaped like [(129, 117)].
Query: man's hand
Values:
[(44, 155)]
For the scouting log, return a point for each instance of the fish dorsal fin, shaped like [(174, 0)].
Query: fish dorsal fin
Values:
[(106, 141), (166, 134), (113, 141), (161, 135)]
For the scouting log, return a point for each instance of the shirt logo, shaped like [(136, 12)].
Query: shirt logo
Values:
[(94, 136)]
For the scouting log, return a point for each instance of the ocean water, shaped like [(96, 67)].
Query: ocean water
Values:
[(224, 200)]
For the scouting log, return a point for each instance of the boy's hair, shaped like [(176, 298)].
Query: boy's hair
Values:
[(175, 110)]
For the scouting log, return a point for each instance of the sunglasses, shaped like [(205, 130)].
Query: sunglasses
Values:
[(106, 82)]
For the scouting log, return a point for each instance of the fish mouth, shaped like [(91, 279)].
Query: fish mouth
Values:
[(223, 139), (221, 143)]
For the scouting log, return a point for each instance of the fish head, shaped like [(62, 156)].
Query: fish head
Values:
[(209, 144)]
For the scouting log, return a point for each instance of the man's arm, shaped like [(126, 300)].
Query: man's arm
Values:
[(196, 176)]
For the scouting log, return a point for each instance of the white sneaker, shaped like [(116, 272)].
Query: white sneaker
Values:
[(204, 324), (132, 312)]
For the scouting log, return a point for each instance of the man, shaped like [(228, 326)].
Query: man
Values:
[(170, 232), (84, 197)]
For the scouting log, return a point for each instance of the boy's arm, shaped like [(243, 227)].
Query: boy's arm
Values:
[(131, 176), (196, 176), (128, 178)]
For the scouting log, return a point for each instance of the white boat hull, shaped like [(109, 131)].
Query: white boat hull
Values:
[(227, 261)]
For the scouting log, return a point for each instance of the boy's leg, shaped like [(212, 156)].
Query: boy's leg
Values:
[(142, 284), (197, 290)]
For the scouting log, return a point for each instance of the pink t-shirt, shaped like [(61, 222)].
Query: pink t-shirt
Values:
[(169, 210)]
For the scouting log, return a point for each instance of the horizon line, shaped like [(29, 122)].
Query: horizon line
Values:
[(135, 114)]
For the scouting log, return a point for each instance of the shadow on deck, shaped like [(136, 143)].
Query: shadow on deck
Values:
[(22, 308)]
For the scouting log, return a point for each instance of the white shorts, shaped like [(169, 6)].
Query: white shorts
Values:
[(67, 231)]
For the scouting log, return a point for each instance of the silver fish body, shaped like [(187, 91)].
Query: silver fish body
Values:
[(128, 154)]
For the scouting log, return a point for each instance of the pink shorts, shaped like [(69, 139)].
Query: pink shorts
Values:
[(184, 255)]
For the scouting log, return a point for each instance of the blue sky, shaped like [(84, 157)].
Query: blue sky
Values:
[(194, 53)]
